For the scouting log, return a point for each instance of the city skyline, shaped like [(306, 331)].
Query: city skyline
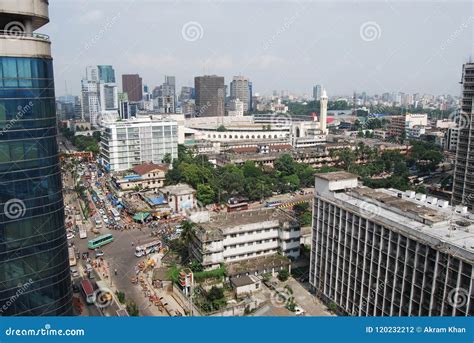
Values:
[(290, 46)]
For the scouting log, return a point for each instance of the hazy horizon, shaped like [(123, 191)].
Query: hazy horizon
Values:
[(371, 46)]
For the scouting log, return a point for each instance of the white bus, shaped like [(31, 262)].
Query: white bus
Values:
[(72, 257), (82, 230), (115, 213), (148, 248)]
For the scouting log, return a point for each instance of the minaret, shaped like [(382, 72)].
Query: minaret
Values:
[(323, 112)]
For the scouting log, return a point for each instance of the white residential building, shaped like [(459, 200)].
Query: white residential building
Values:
[(131, 142), (233, 237), (236, 108)]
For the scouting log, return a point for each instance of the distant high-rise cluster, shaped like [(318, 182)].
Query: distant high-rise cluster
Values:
[(99, 93)]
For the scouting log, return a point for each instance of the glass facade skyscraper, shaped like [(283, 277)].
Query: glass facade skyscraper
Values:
[(34, 266), (106, 73)]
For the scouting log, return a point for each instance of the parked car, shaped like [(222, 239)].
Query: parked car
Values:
[(74, 272), (98, 253), (299, 311)]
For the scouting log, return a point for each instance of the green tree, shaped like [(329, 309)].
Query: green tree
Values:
[(285, 165), (205, 194), (132, 309), (187, 232), (167, 158), (283, 275)]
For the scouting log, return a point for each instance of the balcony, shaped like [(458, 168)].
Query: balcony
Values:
[(22, 44)]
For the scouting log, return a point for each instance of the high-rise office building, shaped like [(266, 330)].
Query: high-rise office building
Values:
[(383, 252), (317, 92), (106, 73), (240, 89), (34, 264), (463, 182), (250, 97), (132, 85), (210, 95)]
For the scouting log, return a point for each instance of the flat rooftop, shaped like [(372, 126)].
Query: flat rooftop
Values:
[(223, 220), (179, 189), (440, 227), (336, 176), (227, 223)]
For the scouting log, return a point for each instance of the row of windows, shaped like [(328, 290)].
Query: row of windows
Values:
[(246, 136), (241, 245), (249, 255), (14, 68), (12, 151), (253, 232), (27, 108)]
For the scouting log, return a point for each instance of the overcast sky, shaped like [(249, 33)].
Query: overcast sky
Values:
[(372, 46)]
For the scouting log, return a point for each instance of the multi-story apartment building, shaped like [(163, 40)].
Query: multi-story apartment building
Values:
[(210, 96), (407, 124), (127, 143), (452, 136), (34, 266), (390, 253), (233, 237), (463, 181)]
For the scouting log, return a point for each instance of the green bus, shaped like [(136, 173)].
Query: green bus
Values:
[(100, 241)]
